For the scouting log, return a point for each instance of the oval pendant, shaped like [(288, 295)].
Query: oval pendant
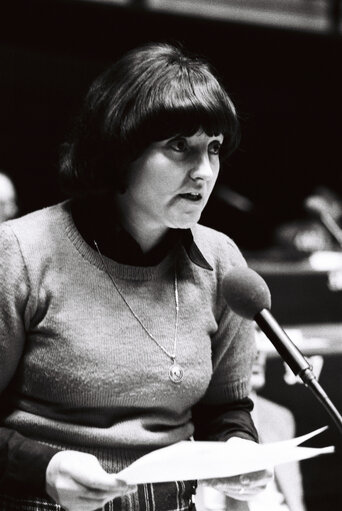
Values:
[(176, 373)]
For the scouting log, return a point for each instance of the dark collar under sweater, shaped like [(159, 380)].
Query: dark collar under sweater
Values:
[(94, 219)]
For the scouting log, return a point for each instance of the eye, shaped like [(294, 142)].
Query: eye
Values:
[(179, 144), (214, 147)]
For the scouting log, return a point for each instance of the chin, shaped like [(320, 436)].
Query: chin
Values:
[(187, 222), (186, 225)]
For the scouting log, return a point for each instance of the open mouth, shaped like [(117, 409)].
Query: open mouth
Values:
[(194, 197)]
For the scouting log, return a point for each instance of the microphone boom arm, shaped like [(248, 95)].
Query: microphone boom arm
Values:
[(332, 227)]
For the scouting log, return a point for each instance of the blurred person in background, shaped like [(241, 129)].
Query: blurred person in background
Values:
[(8, 198), (275, 423)]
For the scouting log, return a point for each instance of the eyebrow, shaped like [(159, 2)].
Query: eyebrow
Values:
[(219, 138)]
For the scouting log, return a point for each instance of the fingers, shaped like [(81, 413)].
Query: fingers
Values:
[(88, 494), (85, 504), (86, 470), (244, 486), (75, 497), (77, 481), (116, 488)]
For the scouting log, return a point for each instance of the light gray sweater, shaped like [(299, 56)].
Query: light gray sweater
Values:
[(80, 370)]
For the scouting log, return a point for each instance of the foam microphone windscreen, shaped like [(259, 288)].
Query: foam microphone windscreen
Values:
[(246, 292)]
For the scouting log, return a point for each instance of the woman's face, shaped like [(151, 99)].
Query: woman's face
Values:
[(171, 182)]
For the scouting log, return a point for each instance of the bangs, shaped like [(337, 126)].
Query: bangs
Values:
[(182, 105)]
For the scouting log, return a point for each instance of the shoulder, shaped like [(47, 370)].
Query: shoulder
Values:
[(37, 226), (37, 235), (217, 248)]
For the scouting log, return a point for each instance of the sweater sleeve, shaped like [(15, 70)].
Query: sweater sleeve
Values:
[(224, 410), (233, 354), (23, 461), (14, 295), (233, 347)]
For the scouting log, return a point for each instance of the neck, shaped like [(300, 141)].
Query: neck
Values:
[(146, 235), (147, 240)]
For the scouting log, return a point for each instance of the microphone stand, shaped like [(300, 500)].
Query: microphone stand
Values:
[(296, 361), (317, 207), (332, 227)]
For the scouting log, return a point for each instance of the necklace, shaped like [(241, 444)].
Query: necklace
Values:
[(176, 372)]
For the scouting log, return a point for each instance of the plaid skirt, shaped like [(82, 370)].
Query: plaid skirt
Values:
[(175, 496)]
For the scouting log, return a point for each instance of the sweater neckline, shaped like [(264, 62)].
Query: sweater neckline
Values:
[(119, 270)]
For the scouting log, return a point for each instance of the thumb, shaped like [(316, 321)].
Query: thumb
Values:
[(92, 475)]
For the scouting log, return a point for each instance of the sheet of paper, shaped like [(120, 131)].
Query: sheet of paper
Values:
[(206, 460)]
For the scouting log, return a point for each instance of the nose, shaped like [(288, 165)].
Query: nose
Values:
[(202, 168)]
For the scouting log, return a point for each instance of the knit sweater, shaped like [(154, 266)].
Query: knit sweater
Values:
[(78, 368)]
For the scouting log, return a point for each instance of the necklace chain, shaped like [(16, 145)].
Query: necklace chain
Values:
[(172, 356)]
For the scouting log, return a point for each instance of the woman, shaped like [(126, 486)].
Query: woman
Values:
[(115, 338)]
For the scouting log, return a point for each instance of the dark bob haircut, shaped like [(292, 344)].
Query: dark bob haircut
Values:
[(152, 93)]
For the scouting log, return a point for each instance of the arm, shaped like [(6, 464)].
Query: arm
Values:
[(224, 412), (23, 462), (224, 421), (73, 479)]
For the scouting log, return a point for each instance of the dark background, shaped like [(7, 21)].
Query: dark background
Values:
[(286, 85)]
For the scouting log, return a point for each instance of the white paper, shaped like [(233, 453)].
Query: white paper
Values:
[(205, 460)]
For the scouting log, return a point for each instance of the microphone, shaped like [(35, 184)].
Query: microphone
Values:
[(248, 295), (318, 206)]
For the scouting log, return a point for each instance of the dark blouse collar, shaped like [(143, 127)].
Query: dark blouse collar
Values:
[(94, 220)]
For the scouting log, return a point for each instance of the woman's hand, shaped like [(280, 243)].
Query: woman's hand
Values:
[(244, 486), (77, 482)]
